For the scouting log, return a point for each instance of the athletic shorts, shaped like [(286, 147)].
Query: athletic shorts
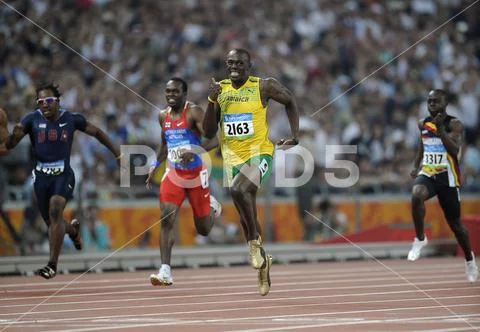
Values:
[(264, 163), (448, 197), (46, 186), (177, 184)]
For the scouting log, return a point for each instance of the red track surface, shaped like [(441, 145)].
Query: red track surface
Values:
[(390, 295)]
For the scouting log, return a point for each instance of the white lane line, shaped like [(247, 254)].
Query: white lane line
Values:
[(117, 300), (453, 329), (330, 273), (236, 320), (365, 322), (290, 305), (244, 274), (256, 319), (214, 290), (277, 291), (298, 280), (217, 295)]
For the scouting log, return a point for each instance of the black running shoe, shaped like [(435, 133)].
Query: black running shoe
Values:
[(46, 272), (76, 239)]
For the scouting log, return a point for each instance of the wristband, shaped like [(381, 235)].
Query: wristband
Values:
[(211, 100), (155, 163)]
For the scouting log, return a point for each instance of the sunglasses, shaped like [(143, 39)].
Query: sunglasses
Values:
[(48, 100)]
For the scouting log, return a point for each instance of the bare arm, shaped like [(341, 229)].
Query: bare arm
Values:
[(162, 153), (100, 135), (197, 114), (270, 88), (211, 118), (454, 139), (418, 155), (15, 137)]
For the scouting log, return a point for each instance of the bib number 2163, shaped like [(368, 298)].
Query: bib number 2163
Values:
[(238, 126)]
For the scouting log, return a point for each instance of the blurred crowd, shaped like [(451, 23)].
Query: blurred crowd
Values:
[(360, 69)]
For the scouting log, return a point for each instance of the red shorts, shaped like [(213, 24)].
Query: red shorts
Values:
[(176, 184)]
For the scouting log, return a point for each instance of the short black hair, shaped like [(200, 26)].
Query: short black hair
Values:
[(243, 51), (443, 93), (48, 86), (182, 81)]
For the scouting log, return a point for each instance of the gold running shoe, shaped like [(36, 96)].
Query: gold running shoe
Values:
[(264, 282), (257, 254), (163, 278)]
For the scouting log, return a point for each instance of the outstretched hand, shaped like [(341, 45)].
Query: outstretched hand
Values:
[(286, 143), (214, 90), (186, 157), (414, 172), (17, 131)]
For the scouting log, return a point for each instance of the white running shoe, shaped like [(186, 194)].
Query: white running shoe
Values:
[(471, 270), (216, 206), (417, 246), (163, 278)]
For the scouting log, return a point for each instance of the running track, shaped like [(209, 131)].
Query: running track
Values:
[(391, 295)]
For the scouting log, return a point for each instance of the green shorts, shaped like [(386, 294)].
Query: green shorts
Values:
[(264, 162)]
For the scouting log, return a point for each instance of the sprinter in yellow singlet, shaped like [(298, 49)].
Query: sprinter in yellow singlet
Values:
[(238, 105)]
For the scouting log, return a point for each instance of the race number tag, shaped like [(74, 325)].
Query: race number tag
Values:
[(263, 167), (238, 126), (175, 151), (204, 178), (435, 158), (53, 168), (435, 155)]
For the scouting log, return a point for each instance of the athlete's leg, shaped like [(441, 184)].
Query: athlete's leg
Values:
[(167, 239), (449, 201), (172, 195), (56, 228), (42, 195), (167, 232), (204, 212), (423, 189), (66, 190), (420, 193), (254, 199), (73, 230), (263, 274), (243, 191), (243, 223)]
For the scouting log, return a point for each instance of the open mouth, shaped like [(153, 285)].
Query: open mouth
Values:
[(171, 100), (234, 74)]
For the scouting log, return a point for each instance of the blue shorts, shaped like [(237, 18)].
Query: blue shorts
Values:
[(46, 186)]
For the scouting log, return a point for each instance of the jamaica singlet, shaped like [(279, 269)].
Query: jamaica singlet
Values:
[(243, 121), (436, 160), (180, 137)]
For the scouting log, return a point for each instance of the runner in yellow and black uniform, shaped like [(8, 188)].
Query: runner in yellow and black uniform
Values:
[(436, 173), (239, 105), (244, 126)]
